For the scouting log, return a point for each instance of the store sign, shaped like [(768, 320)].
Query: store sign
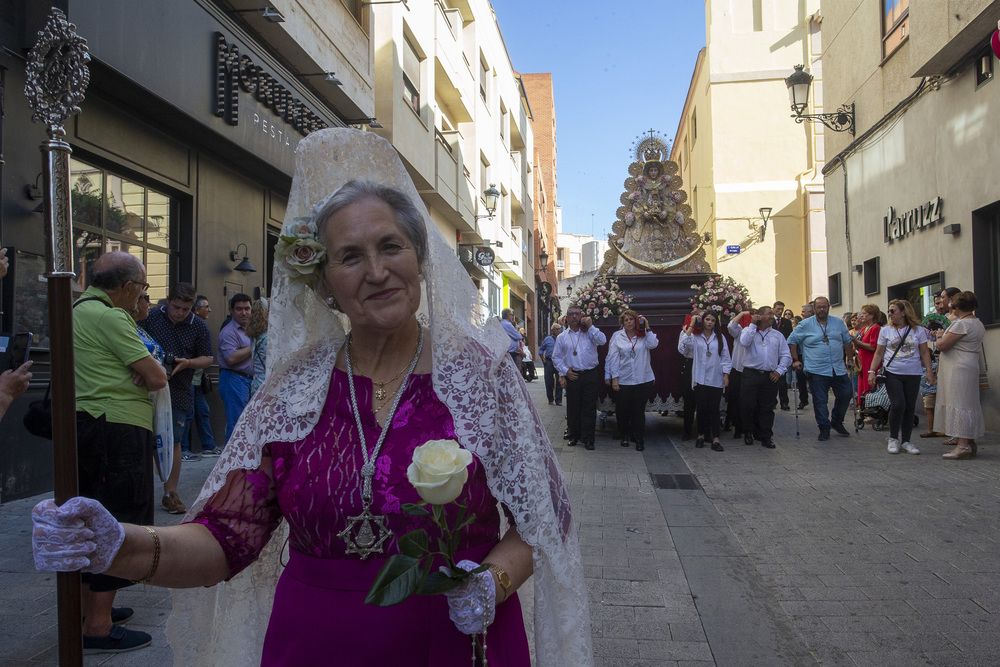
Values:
[(235, 72), (895, 225), (732, 249), (485, 257), (545, 289)]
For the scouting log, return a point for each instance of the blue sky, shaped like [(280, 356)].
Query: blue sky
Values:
[(618, 69)]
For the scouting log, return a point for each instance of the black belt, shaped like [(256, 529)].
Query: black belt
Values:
[(756, 370), (240, 373)]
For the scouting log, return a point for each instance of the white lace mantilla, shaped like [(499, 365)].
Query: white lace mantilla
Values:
[(472, 375)]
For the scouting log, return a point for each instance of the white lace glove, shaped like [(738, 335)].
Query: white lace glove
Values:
[(472, 605), (78, 535)]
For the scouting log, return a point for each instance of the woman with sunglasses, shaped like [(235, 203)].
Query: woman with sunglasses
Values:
[(906, 342)]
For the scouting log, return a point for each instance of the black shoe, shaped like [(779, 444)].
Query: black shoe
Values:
[(824, 435), (803, 404), (747, 438), (558, 402), (699, 443), (624, 443), (786, 407), (589, 446), (717, 447), (640, 446), (573, 443), (737, 434), (768, 444), (567, 436), (120, 615), (119, 641), (841, 431)]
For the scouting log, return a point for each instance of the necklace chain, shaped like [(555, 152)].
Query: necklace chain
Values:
[(380, 390)]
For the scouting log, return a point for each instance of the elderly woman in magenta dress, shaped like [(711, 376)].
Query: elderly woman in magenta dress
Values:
[(383, 348)]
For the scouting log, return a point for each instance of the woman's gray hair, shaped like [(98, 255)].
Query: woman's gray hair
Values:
[(407, 214)]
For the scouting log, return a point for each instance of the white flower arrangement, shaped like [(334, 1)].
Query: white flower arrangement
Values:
[(602, 297)]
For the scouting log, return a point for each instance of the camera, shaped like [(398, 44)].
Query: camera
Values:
[(169, 360)]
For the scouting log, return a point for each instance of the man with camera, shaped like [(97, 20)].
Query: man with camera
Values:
[(575, 357), (187, 346)]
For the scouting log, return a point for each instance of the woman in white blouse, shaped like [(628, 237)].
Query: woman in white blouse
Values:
[(631, 375), (709, 376)]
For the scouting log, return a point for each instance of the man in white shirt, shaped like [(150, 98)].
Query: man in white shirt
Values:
[(734, 407), (575, 358), (765, 360)]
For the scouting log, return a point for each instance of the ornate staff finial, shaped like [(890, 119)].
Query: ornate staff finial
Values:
[(57, 73)]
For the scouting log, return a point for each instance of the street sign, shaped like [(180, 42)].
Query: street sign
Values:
[(545, 289), (732, 249), (485, 256)]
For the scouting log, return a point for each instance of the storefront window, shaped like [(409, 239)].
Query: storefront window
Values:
[(920, 293), (111, 213), (895, 24)]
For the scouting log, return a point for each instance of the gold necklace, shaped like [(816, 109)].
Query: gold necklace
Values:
[(379, 387)]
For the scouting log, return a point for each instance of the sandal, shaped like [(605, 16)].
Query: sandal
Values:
[(932, 434)]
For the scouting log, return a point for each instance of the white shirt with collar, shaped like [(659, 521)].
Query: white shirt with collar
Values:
[(735, 330), (765, 349), (709, 365), (628, 358), (577, 350)]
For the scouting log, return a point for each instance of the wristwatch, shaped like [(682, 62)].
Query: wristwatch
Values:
[(502, 577)]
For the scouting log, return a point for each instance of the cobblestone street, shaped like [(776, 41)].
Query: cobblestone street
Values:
[(832, 553)]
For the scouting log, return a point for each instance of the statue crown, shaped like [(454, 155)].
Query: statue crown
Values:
[(651, 155)]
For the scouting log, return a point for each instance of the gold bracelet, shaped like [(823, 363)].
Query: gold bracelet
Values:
[(156, 557), (502, 577)]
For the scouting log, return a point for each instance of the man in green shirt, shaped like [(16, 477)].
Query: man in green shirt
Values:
[(114, 422)]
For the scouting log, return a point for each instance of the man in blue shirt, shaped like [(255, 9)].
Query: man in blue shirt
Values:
[(507, 322), (551, 376), (825, 341)]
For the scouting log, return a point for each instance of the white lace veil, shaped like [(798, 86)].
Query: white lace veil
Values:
[(472, 374)]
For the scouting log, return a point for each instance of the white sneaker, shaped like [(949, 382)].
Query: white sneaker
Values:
[(910, 449), (893, 446)]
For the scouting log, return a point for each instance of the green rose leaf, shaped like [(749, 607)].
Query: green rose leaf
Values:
[(414, 544), (439, 582), (398, 579), (415, 510)]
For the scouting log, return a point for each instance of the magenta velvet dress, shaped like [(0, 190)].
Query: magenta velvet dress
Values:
[(318, 615)]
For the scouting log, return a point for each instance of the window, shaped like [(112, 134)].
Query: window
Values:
[(833, 289), (411, 75), (503, 122), (986, 262), (895, 24), (493, 297), (920, 293), (984, 66), (873, 278), (484, 180), (112, 213), (484, 74), (354, 8), (758, 16), (694, 126)]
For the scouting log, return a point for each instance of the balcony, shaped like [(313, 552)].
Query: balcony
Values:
[(453, 81)]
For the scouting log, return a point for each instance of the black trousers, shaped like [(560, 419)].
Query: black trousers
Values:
[(552, 387), (687, 395), (903, 391), (734, 409), (581, 404), (709, 400), (631, 410), (783, 391), (115, 463), (758, 397), (803, 382)]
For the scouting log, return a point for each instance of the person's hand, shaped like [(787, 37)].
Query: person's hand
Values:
[(77, 535), (180, 364), (472, 605), (755, 318), (4, 262), (797, 365), (14, 383), (138, 380), (572, 376), (931, 380), (615, 385), (586, 322), (774, 375), (725, 380), (562, 381), (643, 323)]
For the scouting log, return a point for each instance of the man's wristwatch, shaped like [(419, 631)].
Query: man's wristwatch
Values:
[(502, 577)]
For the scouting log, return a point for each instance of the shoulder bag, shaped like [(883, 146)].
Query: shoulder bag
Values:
[(880, 376)]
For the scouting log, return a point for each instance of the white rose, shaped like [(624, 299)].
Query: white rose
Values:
[(439, 470)]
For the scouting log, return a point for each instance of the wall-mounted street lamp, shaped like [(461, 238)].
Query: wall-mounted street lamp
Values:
[(491, 196), (244, 266), (765, 215), (543, 259), (267, 13), (327, 76), (370, 122), (798, 93)]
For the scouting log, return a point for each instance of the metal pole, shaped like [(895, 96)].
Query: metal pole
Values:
[(57, 77)]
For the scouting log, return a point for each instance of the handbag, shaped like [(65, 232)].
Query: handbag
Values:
[(38, 418), (984, 374), (206, 383), (880, 375)]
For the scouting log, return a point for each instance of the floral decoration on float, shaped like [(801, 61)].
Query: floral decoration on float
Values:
[(721, 295), (601, 298)]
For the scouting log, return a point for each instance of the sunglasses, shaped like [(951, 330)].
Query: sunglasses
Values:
[(144, 297), (142, 286)]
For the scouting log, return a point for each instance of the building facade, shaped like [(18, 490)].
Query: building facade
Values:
[(451, 103), (738, 150), (913, 205)]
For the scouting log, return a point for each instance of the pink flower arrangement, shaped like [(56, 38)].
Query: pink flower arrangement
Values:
[(722, 295), (601, 298)]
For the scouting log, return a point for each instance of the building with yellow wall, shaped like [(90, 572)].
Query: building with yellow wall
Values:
[(739, 151)]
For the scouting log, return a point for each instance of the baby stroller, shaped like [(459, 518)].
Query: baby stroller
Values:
[(875, 405)]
